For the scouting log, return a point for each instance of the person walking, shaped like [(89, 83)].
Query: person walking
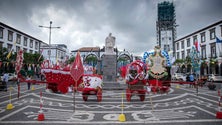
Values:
[(191, 80), (5, 81), (28, 83)]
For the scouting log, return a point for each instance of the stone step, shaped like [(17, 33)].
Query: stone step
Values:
[(113, 86)]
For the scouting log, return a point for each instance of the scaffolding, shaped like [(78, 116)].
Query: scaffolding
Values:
[(166, 23)]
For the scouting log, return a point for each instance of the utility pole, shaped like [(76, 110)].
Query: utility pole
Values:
[(49, 27)]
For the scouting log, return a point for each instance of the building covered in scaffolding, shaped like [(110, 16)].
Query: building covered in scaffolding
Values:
[(166, 26)]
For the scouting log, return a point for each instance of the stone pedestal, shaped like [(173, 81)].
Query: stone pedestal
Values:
[(110, 72)]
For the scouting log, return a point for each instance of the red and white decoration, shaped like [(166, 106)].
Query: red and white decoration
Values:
[(219, 112), (92, 85), (19, 61), (41, 115), (77, 69), (92, 81)]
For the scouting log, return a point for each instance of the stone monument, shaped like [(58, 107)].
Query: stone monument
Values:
[(110, 43), (110, 64)]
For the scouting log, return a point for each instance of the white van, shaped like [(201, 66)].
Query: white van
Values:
[(179, 76), (214, 78)]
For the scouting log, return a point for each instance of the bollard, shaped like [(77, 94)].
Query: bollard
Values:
[(122, 117), (41, 116), (10, 106)]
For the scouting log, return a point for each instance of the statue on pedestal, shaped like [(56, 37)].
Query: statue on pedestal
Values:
[(110, 43)]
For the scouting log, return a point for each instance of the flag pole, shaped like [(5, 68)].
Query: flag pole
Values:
[(39, 57), (74, 98)]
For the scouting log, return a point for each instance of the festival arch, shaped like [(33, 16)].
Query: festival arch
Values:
[(123, 59), (91, 59)]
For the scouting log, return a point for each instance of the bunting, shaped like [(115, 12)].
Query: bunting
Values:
[(10, 52), (218, 40)]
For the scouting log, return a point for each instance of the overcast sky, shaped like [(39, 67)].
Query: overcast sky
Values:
[(86, 23)]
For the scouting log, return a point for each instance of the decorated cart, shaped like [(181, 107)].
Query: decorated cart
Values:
[(158, 60), (136, 80), (60, 80), (92, 85)]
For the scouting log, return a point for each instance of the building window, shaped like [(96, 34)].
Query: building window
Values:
[(188, 52), (212, 34), (10, 35), (188, 42), (194, 39), (25, 50), (17, 48), (203, 52), (1, 32), (182, 45), (221, 30), (166, 47), (18, 39), (9, 47), (178, 55), (36, 45), (203, 38), (183, 55), (25, 41), (30, 51), (31, 43), (1, 44), (178, 47), (213, 50)]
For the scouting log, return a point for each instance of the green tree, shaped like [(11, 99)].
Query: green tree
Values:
[(91, 59), (188, 60), (9, 62), (179, 61), (32, 58), (71, 60)]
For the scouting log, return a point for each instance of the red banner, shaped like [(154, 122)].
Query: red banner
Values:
[(77, 69)]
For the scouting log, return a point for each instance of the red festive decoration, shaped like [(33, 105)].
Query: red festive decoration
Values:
[(45, 64), (136, 80), (41, 116), (19, 61), (219, 112), (18, 66), (77, 69), (92, 85)]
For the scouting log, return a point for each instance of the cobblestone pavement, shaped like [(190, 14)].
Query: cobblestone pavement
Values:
[(182, 105)]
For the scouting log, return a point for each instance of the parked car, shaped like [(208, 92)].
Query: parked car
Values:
[(191, 77), (214, 78), (11, 76), (179, 76), (209, 77)]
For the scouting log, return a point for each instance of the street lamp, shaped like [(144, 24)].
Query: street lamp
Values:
[(49, 27)]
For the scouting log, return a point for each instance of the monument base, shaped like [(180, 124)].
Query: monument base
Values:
[(112, 86), (110, 72)]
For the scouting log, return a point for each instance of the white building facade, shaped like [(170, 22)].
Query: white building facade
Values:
[(210, 50), (13, 39), (56, 53)]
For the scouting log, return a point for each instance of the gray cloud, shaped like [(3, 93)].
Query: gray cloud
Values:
[(88, 22)]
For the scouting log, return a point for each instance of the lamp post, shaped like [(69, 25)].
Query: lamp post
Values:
[(49, 27)]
